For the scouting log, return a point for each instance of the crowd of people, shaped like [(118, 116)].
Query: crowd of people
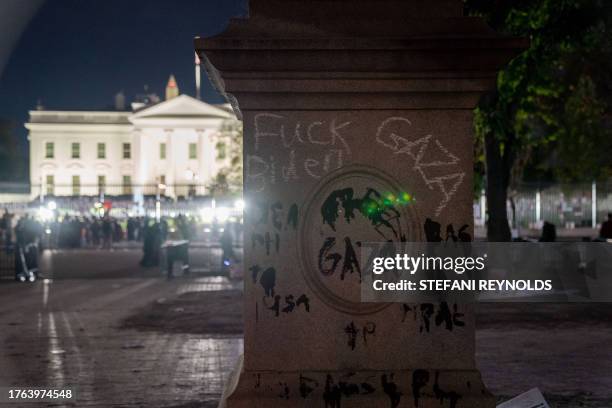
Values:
[(98, 232), (27, 235)]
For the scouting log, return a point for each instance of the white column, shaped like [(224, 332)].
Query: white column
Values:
[(139, 157), (202, 173), (211, 156), (170, 164)]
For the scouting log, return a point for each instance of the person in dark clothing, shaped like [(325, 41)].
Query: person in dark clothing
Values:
[(140, 228), (117, 231), (95, 232), (5, 220), (107, 232), (227, 246), (131, 229), (549, 232), (63, 232), (181, 224), (28, 233), (606, 228), (75, 233), (163, 229), (151, 245), (5, 228)]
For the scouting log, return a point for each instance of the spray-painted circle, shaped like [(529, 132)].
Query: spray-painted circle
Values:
[(338, 218)]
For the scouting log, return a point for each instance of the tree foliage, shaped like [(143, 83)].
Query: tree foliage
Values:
[(229, 158), (548, 119)]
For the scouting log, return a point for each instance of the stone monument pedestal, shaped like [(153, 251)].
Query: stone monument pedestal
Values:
[(357, 128), (362, 389)]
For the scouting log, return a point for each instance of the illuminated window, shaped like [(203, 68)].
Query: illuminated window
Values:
[(75, 151), (101, 151), (50, 184), (162, 184), (162, 151), (101, 183), (127, 151), (49, 150), (193, 151), (127, 184), (76, 185)]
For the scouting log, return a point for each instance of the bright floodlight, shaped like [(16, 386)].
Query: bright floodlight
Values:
[(45, 214), (239, 204), (207, 214), (52, 205), (222, 214)]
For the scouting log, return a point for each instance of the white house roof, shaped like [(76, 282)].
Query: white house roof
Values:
[(183, 106), (181, 111), (80, 117)]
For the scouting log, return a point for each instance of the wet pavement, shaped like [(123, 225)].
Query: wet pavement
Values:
[(69, 331), (66, 332)]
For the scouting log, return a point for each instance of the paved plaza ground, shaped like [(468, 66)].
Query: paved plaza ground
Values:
[(123, 336)]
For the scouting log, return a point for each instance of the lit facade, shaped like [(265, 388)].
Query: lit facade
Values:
[(170, 145)]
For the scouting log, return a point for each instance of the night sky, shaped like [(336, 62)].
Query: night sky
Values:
[(77, 54)]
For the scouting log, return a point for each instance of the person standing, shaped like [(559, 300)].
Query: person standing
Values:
[(227, 247), (606, 228), (107, 232), (549, 232), (6, 228)]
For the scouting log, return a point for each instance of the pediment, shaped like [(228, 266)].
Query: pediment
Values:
[(183, 106)]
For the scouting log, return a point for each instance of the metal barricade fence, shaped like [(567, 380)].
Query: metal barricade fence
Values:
[(124, 201), (7, 261), (565, 205)]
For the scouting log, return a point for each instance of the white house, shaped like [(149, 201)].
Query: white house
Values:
[(169, 147)]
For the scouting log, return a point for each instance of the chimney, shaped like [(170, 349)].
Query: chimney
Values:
[(120, 101), (172, 90)]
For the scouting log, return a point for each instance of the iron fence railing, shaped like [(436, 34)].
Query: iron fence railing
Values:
[(565, 205), (121, 199), (7, 261)]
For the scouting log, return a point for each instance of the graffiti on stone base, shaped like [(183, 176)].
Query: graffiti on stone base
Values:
[(337, 390), (426, 153), (271, 300), (344, 387), (272, 219), (344, 204), (429, 316), (359, 333), (433, 232), (327, 140)]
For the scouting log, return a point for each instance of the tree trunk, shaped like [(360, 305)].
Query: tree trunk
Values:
[(498, 174)]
